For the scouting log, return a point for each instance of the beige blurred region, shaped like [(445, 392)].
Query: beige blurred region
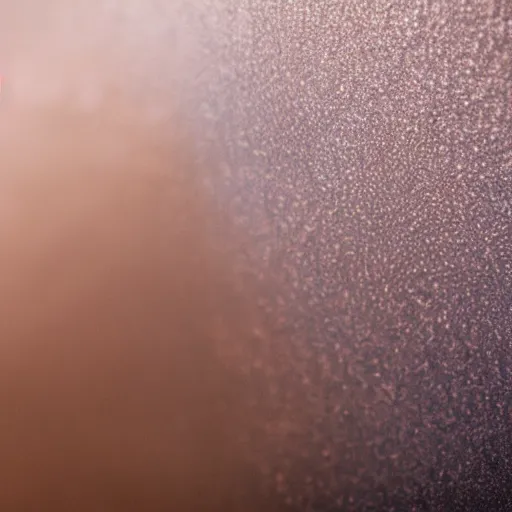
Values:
[(49, 51), (114, 279), (54, 49), (112, 392)]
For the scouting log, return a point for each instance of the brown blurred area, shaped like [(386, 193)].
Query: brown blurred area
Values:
[(114, 280)]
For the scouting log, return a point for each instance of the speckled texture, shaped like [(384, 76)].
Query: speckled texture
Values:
[(369, 145), (366, 148)]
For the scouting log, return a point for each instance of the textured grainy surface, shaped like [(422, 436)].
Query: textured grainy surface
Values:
[(366, 148), (375, 140)]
